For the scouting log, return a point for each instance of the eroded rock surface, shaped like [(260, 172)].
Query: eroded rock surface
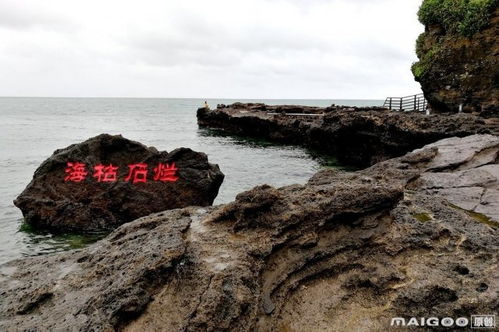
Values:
[(55, 202), (346, 252), (356, 136)]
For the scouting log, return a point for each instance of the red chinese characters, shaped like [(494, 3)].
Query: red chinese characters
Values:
[(137, 173), (106, 173), (165, 173), (76, 172)]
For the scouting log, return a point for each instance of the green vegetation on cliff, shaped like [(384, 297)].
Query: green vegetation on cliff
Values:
[(425, 58), (457, 18), (462, 17)]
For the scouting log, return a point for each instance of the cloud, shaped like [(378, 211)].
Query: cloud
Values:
[(218, 48), (18, 15)]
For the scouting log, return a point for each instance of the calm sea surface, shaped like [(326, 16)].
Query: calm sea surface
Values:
[(32, 128)]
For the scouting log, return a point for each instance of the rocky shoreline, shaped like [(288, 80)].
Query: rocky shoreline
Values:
[(412, 234), (347, 251), (356, 136)]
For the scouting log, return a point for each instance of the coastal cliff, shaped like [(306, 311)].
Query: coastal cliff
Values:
[(458, 55), (348, 251)]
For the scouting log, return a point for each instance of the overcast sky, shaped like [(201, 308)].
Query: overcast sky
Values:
[(310, 49)]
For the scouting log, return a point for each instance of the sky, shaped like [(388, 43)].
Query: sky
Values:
[(279, 49)]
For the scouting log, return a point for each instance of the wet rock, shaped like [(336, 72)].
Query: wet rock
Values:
[(345, 252), (356, 136), (89, 201)]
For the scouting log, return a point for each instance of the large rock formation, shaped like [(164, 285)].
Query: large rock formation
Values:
[(345, 252), (356, 136), (458, 55), (79, 197)]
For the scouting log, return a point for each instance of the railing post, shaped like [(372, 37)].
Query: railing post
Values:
[(404, 103)]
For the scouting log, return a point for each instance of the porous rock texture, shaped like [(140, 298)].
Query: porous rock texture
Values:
[(345, 252), (50, 202), (356, 136)]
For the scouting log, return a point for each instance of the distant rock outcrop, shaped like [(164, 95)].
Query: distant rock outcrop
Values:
[(356, 136), (459, 55), (346, 252), (109, 180)]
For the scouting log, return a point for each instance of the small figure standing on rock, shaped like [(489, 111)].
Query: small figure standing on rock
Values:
[(206, 105)]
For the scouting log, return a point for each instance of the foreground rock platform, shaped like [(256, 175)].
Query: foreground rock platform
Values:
[(109, 180), (356, 136), (346, 252)]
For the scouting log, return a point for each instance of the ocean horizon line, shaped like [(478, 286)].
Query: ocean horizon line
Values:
[(192, 98)]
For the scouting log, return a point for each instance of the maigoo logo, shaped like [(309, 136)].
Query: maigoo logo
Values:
[(477, 321), (431, 322)]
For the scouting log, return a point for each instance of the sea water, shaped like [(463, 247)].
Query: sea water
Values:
[(31, 129)]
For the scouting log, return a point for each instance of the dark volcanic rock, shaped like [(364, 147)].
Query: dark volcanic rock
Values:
[(51, 202), (356, 136), (346, 252)]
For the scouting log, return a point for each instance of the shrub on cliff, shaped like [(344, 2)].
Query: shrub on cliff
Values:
[(462, 17), (457, 66)]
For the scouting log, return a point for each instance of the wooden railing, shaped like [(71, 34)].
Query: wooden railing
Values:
[(408, 103)]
